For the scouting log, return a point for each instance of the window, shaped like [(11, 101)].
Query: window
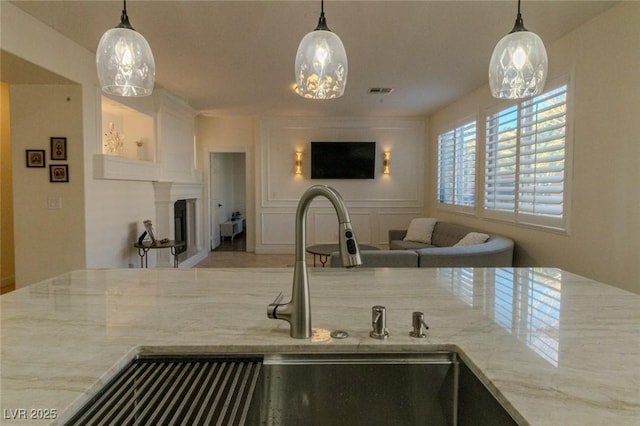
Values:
[(525, 161), (457, 166)]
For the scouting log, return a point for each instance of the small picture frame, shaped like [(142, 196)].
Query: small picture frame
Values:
[(148, 226), (58, 148), (36, 158), (59, 173)]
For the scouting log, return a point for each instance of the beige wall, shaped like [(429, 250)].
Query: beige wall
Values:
[(48, 241), (273, 189), (602, 244), (376, 205), (227, 134), (603, 241), (7, 268), (113, 209)]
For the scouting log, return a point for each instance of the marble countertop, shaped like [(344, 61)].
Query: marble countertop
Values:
[(556, 348)]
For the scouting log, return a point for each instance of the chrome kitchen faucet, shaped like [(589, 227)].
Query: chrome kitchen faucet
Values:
[(298, 311)]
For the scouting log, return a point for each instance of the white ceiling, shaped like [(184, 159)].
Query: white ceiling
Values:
[(236, 57)]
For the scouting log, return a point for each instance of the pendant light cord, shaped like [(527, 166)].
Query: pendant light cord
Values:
[(519, 25), (322, 22), (124, 19)]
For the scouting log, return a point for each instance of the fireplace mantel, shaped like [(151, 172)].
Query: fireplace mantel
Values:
[(166, 194), (170, 192)]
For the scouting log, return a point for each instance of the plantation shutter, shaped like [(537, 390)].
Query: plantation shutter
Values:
[(500, 160), (542, 154), (525, 160), (457, 166), (446, 167)]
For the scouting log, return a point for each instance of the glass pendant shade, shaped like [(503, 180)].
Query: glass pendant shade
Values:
[(518, 67), (124, 61), (321, 64)]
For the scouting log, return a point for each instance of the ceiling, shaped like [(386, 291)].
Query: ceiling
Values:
[(237, 57)]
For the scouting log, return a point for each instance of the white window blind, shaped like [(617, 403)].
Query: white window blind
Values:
[(525, 160), (457, 166)]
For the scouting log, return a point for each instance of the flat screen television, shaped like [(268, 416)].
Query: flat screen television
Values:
[(343, 160)]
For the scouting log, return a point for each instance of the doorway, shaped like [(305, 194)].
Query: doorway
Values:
[(228, 200)]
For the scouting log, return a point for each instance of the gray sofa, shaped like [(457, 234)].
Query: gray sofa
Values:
[(496, 251)]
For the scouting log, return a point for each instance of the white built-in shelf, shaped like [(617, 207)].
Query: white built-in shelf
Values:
[(135, 157), (122, 168), (136, 130)]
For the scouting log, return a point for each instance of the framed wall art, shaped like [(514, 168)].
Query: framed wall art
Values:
[(59, 173), (35, 158), (149, 227), (58, 148)]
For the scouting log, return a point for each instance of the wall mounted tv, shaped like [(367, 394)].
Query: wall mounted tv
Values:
[(343, 160)]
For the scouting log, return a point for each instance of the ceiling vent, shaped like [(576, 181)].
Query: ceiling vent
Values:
[(380, 90)]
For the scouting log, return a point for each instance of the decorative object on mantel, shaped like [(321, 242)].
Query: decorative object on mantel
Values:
[(518, 67), (58, 148), (114, 141), (124, 61), (140, 150), (321, 63), (36, 158), (59, 173), (149, 227)]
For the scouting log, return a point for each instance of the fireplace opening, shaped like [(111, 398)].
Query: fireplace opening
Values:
[(181, 224), (184, 212)]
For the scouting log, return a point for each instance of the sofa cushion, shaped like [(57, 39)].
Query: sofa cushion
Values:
[(448, 234), (382, 259), (472, 238), (420, 230), (406, 245)]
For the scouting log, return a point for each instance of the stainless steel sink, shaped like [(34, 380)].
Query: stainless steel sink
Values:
[(372, 389), (297, 389)]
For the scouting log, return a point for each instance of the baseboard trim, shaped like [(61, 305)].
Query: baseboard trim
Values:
[(193, 260)]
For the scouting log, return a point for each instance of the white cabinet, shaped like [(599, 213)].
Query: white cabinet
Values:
[(231, 228)]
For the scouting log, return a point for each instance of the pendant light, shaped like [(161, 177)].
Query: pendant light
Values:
[(518, 67), (124, 61), (321, 63)]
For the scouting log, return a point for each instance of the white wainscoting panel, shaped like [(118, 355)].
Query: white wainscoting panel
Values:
[(277, 229), (373, 203), (326, 227)]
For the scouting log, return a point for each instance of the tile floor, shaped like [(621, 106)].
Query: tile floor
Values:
[(232, 254)]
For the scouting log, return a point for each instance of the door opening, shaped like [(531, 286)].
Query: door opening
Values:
[(228, 201)]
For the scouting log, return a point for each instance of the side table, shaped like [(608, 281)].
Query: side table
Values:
[(143, 250), (324, 251)]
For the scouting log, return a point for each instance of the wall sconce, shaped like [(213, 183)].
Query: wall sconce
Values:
[(298, 163), (385, 162)]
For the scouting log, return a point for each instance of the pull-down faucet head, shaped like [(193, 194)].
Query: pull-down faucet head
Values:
[(298, 311)]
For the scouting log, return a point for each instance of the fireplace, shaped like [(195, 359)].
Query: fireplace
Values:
[(184, 219), (181, 226), (178, 218)]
